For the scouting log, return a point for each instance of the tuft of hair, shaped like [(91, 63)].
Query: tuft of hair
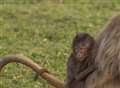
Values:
[(82, 36)]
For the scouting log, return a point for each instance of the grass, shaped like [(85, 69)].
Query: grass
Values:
[(43, 31)]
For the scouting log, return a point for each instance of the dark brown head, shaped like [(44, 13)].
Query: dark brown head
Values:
[(82, 45)]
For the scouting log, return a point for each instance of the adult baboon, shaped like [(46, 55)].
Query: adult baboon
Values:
[(108, 58)]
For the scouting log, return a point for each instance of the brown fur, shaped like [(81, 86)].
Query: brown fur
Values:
[(108, 58), (78, 68)]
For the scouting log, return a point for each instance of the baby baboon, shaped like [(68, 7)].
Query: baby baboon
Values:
[(81, 61)]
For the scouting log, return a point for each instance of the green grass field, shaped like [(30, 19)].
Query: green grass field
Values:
[(43, 31)]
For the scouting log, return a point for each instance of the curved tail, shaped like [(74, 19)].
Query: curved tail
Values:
[(28, 62)]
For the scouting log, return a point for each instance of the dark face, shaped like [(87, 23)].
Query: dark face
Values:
[(82, 46), (81, 51)]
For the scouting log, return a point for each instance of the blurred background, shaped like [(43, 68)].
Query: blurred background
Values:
[(43, 31)]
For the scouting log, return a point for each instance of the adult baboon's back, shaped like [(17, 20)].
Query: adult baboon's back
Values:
[(108, 58)]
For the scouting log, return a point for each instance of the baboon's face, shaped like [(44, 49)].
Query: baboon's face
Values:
[(81, 50), (82, 45)]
